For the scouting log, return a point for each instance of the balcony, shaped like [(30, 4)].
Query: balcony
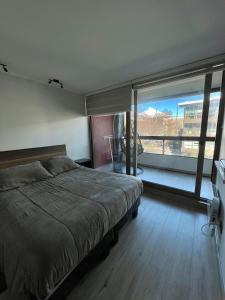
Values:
[(178, 180), (172, 161)]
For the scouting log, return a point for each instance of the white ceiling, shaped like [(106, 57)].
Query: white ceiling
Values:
[(90, 44), (178, 88)]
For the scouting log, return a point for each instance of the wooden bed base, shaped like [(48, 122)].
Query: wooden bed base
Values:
[(100, 252), (17, 157)]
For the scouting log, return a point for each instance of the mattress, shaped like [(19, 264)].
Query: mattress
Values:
[(49, 226)]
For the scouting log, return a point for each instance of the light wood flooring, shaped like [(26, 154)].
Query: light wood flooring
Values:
[(162, 254)]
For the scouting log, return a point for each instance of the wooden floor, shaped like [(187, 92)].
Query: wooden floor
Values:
[(162, 254)]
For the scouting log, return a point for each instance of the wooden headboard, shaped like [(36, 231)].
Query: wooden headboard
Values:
[(18, 157)]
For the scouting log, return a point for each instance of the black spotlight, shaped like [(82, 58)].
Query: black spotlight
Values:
[(4, 67), (55, 81)]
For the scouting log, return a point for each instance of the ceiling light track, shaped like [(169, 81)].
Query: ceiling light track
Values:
[(55, 81), (4, 68)]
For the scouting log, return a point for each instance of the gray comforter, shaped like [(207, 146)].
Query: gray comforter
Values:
[(48, 227)]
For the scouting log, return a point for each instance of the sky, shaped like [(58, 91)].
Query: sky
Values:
[(170, 104)]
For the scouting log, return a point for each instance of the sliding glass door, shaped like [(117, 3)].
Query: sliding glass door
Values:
[(169, 124), (176, 124), (211, 131)]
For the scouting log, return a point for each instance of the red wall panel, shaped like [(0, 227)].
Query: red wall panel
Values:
[(101, 127)]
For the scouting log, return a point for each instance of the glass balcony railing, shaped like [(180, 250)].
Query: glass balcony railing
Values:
[(177, 145)]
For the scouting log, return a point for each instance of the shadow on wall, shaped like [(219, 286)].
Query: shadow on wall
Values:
[(24, 102), (34, 115)]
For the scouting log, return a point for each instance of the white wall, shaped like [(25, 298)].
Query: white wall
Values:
[(221, 187), (34, 115)]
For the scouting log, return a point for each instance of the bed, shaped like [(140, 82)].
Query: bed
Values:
[(48, 228)]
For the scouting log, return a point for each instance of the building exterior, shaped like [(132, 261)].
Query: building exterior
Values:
[(192, 124)]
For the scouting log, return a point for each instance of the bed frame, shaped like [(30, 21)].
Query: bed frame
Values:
[(17, 157), (101, 251)]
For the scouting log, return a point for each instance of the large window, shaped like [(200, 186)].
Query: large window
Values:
[(176, 116), (177, 125)]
